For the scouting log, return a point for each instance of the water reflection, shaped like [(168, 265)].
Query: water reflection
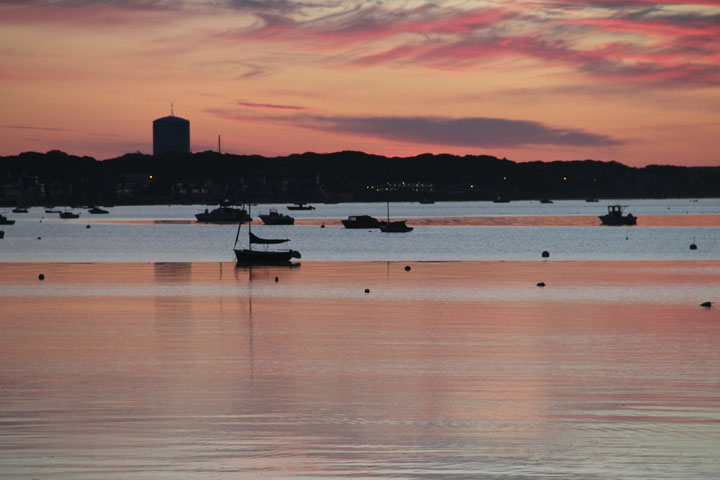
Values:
[(228, 374), (172, 271)]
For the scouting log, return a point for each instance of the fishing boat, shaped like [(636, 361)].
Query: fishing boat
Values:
[(615, 216), (397, 226), (6, 221), (275, 218), (262, 256), (224, 214), (300, 206), (362, 221)]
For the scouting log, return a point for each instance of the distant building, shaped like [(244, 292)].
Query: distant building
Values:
[(171, 135)]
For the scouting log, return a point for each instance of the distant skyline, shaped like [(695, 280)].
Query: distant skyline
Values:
[(636, 81)]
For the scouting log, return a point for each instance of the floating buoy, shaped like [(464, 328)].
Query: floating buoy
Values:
[(706, 304), (407, 268), (367, 290), (87, 226), (276, 279), (41, 277), (693, 246), (545, 254), (322, 226), (541, 284), (38, 238)]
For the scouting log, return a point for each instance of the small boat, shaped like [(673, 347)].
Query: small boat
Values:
[(97, 210), (362, 221), (397, 226), (545, 200), (65, 215), (50, 210), (615, 216), (275, 218), (20, 210), (6, 221), (427, 201), (501, 200), (592, 200), (224, 214), (300, 206), (248, 256)]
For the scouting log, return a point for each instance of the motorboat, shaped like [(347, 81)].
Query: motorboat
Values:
[(300, 206), (66, 215), (263, 256), (6, 221), (275, 218), (97, 210), (616, 216), (362, 221), (224, 214)]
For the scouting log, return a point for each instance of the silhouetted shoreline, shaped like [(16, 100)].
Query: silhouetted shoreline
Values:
[(209, 177)]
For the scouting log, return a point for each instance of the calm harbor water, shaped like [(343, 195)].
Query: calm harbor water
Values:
[(128, 234), (452, 370), (145, 354)]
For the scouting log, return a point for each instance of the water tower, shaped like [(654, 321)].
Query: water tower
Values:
[(171, 134)]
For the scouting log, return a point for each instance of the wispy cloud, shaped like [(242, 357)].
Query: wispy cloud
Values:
[(26, 127), (270, 106), (665, 43), (462, 132)]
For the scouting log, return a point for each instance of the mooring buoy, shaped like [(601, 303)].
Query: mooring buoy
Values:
[(545, 254), (367, 290), (407, 268), (41, 277)]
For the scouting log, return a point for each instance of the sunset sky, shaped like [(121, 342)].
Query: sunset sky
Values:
[(636, 81)]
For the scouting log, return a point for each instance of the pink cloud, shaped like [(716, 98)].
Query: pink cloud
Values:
[(371, 25)]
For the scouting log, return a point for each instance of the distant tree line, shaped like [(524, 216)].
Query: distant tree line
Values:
[(56, 178)]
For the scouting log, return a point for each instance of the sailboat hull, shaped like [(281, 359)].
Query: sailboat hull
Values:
[(260, 257)]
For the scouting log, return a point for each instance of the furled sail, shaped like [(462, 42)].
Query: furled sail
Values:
[(266, 241)]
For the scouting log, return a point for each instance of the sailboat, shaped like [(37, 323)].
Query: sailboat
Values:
[(263, 256), (394, 227)]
